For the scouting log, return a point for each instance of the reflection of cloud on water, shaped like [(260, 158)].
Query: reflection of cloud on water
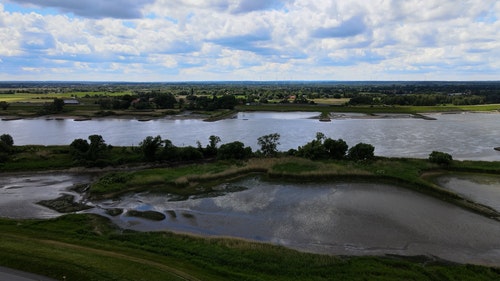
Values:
[(246, 202), (311, 217)]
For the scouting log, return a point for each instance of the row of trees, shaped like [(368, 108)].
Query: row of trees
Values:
[(167, 100), (95, 151), (322, 148)]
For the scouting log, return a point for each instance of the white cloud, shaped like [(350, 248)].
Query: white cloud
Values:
[(246, 40)]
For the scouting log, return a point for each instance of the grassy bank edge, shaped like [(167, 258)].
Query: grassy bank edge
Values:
[(88, 247)]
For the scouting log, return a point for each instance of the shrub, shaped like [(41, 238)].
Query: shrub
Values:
[(361, 151), (440, 158), (234, 150), (336, 148), (7, 139)]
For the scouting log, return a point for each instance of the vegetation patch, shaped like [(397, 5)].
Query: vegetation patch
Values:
[(64, 204), (114, 211), (150, 215)]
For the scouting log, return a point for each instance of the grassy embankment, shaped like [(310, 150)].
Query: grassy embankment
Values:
[(87, 247)]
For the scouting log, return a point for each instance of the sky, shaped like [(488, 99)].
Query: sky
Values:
[(249, 40)]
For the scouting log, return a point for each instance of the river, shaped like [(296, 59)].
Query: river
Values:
[(465, 136)]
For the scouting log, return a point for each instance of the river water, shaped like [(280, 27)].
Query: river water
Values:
[(465, 136)]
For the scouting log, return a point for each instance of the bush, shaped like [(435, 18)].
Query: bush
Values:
[(440, 158), (336, 148), (234, 150), (361, 151), (7, 139)]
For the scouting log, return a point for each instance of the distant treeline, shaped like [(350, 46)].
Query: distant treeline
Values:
[(365, 93)]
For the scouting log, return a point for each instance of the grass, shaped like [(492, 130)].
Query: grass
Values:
[(42, 98), (87, 247), (39, 157)]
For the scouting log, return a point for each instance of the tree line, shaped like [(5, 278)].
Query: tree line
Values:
[(94, 152)]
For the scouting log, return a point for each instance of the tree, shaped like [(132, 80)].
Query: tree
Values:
[(234, 150), (165, 100), (361, 151), (226, 102), (58, 105), (314, 149), (336, 149), (4, 105), (150, 146), (7, 139), (6, 143), (79, 149), (440, 158), (268, 144), (96, 147), (211, 149)]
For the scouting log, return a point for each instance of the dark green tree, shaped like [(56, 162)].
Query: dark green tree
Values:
[(336, 149), (234, 150), (361, 151), (58, 105), (4, 105), (165, 100), (79, 149), (7, 139), (211, 149), (150, 147), (97, 147), (269, 144), (440, 158)]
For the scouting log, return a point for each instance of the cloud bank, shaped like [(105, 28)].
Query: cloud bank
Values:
[(183, 40)]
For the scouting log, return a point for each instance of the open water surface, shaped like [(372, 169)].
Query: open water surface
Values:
[(484, 189), (465, 136)]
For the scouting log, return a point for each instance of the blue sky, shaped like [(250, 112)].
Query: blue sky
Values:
[(191, 40)]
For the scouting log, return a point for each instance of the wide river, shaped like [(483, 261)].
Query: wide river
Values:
[(465, 136)]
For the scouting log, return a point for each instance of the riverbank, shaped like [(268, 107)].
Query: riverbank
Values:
[(92, 249), (332, 111)]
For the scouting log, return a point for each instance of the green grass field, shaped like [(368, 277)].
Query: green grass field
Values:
[(87, 247), (42, 98)]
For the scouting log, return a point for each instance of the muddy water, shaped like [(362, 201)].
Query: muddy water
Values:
[(331, 218), (484, 189), (337, 218), (19, 193)]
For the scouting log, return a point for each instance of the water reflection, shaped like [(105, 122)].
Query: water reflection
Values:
[(19, 193), (339, 218), (331, 218), (484, 189)]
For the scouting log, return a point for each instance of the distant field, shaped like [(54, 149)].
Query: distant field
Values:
[(331, 101), (42, 98)]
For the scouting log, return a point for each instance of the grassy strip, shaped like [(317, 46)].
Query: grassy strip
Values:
[(87, 247)]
